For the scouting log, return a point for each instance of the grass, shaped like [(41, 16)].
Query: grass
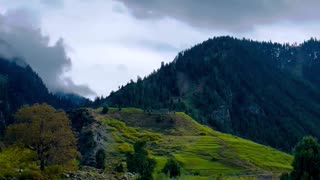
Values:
[(202, 152)]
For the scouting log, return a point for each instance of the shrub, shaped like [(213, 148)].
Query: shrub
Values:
[(105, 109), (306, 163), (53, 172), (140, 162), (100, 159), (172, 168), (34, 175), (119, 168), (159, 119), (125, 148), (86, 142), (14, 158), (285, 176)]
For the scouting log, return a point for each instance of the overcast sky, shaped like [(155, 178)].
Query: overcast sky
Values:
[(93, 46)]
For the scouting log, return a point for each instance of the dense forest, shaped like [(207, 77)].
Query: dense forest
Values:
[(20, 85), (263, 91)]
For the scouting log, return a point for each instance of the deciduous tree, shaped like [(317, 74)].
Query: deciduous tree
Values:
[(46, 131)]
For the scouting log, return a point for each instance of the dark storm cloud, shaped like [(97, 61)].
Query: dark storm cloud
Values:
[(21, 38), (231, 15)]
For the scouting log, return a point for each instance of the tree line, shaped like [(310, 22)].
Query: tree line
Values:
[(263, 91)]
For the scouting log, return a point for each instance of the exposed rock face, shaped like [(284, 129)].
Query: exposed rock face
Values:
[(91, 133), (100, 138)]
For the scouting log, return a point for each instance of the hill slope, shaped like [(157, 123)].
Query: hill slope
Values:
[(202, 152), (20, 85), (265, 92)]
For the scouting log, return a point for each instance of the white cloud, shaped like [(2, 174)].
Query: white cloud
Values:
[(103, 36), (109, 46)]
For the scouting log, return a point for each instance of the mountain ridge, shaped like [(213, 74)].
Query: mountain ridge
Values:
[(263, 91)]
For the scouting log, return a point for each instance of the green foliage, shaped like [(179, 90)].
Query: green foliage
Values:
[(285, 176), (82, 121), (46, 131), (125, 148), (15, 158), (87, 143), (140, 162), (22, 163), (306, 163), (172, 168), (119, 168), (80, 118), (53, 172), (100, 159), (4, 106), (263, 91), (200, 155), (20, 85), (129, 132), (105, 109)]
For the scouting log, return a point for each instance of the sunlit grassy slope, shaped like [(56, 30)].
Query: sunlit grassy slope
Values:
[(202, 152)]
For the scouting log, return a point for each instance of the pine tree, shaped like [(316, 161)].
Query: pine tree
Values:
[(306, 163)]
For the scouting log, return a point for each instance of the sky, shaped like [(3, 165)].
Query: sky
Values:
[(93, 47)]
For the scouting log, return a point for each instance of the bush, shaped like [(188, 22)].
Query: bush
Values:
[(125, 148), (100, 159), (119, 168), (285, 176), (140, 162), (34, 175), (306, 163), (159, 119), (105, 109), (14, 158), (172, 168), (53, 172), (86, 142)]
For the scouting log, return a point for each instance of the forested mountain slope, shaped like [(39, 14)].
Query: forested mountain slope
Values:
[(266, 92), (20, 85)]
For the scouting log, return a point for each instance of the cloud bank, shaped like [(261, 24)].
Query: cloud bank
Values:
[(113, 41), (230, 15), (21, 37)]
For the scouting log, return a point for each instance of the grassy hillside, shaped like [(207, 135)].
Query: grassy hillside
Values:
[(265, 92), (202, 152)]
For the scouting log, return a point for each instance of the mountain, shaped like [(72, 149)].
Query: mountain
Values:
[(20, 85), (263, 91), (201, 151), (76, 100)]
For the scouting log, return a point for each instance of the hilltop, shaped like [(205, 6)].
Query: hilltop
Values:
[(201, 151), (263, 91)]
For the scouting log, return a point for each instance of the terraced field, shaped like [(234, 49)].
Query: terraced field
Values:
[(202, 152)]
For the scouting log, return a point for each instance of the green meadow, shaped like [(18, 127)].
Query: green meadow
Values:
[(202, 152)]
